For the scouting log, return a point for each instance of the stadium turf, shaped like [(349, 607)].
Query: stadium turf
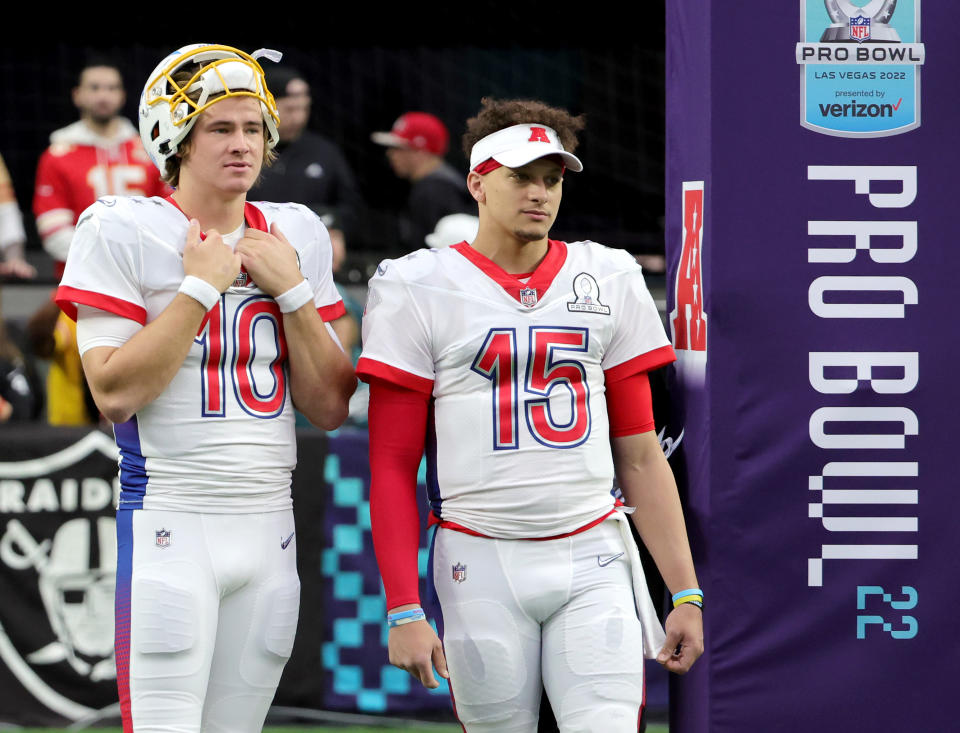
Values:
[(329, 729)]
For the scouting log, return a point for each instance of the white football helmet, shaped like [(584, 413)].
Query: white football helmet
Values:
[(167, 112)]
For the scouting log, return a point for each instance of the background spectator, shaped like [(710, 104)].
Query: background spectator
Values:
[(415, 148), (18, 396), (98, 155), (12, 235), (309, 169)]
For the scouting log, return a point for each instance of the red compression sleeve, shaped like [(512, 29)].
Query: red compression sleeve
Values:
[(397, 420), (630, 405)]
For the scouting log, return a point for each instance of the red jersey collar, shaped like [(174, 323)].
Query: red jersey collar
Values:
[(539, 281), (252, 216)]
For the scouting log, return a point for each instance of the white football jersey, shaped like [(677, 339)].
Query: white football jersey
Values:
[(518, 443), (220, 437)]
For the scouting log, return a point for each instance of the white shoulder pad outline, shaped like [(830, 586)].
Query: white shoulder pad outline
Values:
[(615, 258), (416, 266), (111, 210)]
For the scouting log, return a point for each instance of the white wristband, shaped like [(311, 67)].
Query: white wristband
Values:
[(201, 291), (296, 297)]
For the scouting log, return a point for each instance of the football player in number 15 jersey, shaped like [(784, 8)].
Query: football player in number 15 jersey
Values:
[(201, 324), (517, 361)]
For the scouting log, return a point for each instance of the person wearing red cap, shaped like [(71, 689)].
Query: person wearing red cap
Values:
[(415, 148), (520, 363)]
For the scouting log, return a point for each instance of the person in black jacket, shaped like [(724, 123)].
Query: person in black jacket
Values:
[(309, 169), (415, 148), (19, 399)]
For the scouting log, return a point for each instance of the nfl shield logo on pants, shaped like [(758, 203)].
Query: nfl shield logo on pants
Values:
[(163, 538), (860, 28), (459, 572), (528, 297)]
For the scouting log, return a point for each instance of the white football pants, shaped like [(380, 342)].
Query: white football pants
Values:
[(206, 617), (516, 611)]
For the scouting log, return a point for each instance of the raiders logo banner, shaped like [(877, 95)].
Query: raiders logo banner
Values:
[(57, 566)]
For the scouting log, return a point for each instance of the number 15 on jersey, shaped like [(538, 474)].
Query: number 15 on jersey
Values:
[(551, 363)]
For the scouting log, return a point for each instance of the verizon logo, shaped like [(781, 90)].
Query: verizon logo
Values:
[(859, 109)]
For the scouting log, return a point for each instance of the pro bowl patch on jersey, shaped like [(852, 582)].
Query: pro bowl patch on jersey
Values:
[(860, 66), (587, 294)]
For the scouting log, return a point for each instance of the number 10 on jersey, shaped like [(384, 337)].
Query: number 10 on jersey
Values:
[(256, 319), (497, 361)]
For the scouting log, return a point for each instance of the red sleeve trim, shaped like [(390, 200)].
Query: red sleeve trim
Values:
[(643, 363), (332, 312), (368, 369), (630, 406), (69, 298)]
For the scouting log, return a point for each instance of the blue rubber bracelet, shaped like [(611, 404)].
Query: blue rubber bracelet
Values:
[(688, 592), (405, 617)]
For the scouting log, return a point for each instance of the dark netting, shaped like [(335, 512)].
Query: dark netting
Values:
[(610, 72)]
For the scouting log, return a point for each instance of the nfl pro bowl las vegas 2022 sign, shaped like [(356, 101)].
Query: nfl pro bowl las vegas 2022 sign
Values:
[(860, 67)]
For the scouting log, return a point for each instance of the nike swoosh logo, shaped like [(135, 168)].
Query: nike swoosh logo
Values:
[(284, 543), (604, 561)]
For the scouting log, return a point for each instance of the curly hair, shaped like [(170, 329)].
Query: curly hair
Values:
[(498, 114)]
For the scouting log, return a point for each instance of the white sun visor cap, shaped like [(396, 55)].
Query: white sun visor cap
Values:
[(518, 145)]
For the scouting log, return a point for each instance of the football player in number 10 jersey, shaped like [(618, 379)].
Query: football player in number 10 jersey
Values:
[(201, 324), (520, 364)]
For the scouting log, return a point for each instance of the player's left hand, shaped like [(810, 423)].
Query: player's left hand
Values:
[(270, 260), (684, 642)]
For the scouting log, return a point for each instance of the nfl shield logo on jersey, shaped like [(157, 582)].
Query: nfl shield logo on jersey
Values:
[(459, 572), (163, 538), (244, 280), (528, 297), (860, 29)]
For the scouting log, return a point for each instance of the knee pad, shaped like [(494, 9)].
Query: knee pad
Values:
[(272, 629), (611, 643), (165, 616), (489, 673), (282, 613), (601, 706)]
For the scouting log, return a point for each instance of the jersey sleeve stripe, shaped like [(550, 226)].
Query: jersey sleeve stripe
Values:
[(54, 219), (368, 368), (69, 298), (643, 363), (333, 311)]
